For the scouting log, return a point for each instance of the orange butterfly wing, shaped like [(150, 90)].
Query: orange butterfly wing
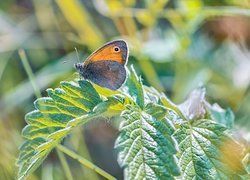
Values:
[(108, 52)]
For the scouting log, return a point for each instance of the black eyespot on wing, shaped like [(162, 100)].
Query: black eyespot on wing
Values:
[(122, 45), (116, 49)]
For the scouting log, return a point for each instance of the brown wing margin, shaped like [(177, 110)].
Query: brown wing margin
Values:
[(106, 52)]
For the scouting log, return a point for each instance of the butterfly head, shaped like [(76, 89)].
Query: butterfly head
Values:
[(79, 67)]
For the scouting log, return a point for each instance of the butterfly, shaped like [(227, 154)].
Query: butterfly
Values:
[(106, 66)]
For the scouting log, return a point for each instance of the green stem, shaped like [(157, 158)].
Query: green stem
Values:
[(64, 164), (85, 162), (29, 72), (80, 146), (4, 61)]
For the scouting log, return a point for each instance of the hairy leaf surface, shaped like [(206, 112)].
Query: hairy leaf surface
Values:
[(55, 116), (135, 88), (146, 148), (206, 152)]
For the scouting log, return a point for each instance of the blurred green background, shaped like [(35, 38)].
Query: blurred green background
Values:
[(175, 45)]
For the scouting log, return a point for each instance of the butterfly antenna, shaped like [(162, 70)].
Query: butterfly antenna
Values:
[(77, 55), (78, 59)]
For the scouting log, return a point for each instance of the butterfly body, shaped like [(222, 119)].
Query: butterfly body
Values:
[(106, 66)]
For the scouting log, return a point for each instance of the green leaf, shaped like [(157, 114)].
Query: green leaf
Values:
[(206, 152), (225, 117), (135, 88), (173, 114), (157, 111), (55, 116), (146, 148)]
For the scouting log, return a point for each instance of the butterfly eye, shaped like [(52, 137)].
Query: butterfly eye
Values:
[(116, 49)]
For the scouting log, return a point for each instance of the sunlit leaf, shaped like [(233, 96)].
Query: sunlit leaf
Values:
[(55, 116), (151, 125), (207, 152), (135, 89), (225, 117), (146, 148)]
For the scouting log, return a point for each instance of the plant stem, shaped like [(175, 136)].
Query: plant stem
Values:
[(85, 162), (29, 72), (78, 141), (64, 164), (4, 61)]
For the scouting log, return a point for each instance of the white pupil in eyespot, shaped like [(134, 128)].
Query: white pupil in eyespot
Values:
[(116, 49)]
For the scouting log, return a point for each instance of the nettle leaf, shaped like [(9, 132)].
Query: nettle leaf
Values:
[(220, 115), (56, 115), (135, 88), (206, 151), (145, 145), (173, 113), (146, 148), (148, 138)]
